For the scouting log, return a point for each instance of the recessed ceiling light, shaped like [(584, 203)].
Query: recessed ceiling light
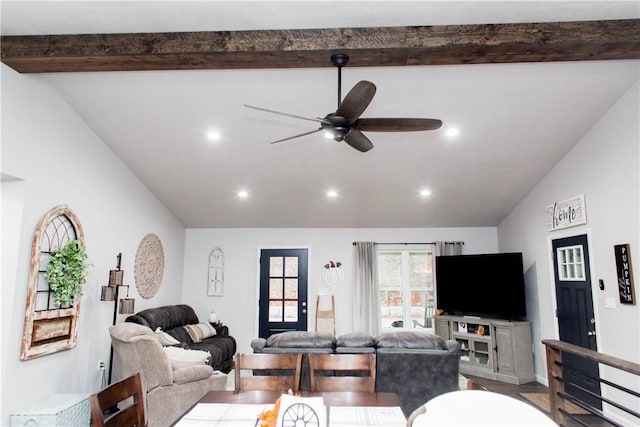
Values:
[(425, 192), (332, 194), (213, 135), (242, 194), (452, 132)]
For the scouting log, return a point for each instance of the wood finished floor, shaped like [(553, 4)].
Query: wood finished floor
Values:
[(513, 390)]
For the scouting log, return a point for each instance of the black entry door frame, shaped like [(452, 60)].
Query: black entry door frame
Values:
[(573, 294), (282, 291)]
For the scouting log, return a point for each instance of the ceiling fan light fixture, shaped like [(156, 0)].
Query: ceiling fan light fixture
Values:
[(345, 123)]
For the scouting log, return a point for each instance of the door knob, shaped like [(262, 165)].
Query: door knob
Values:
[(591, 333), (304, 311)]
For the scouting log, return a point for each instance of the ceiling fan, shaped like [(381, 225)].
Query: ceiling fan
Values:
[(346, 125)]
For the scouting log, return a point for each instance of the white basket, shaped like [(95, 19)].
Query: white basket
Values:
[(57, 410)]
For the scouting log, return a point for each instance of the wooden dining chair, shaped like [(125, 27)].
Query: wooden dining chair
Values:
[(342, 372), (279, 372), (120, 404)]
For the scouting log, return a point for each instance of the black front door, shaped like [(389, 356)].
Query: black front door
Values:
[(576, 320), (283, 291)]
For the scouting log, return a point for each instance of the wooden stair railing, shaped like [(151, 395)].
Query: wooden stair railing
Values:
[(558, 397)]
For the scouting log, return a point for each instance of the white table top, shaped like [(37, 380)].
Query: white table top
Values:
[(236, 415), (480, 408)]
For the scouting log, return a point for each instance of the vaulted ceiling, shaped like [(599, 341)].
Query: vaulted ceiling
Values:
[(521, 82)]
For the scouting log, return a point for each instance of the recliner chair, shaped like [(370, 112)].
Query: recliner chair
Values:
[(168, 393)]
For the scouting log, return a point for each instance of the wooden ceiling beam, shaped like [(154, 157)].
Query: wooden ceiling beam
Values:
[(388, 46)]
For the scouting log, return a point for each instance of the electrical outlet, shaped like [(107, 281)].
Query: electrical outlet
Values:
[(101, 365)]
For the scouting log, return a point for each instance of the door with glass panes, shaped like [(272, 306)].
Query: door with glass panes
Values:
[(283, 291)]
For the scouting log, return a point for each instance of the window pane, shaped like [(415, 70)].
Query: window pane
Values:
[(275, 288), (578, 254), (418, 305), (291, 266), (390, 307), (275, 311), (275, 266), (290, 311), (420, 269), (42, 299), (406, 287), (43, 285), (291, 288), (390, 270)]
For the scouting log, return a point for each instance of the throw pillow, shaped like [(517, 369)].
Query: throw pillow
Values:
[(200, 331), (184, 358), (164, 338)]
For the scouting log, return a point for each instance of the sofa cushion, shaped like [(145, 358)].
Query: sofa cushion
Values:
[(200, 331), (258, 344), (355, 343), (301, 339), (355, 339), (192, 373), (184, 358), (410, 340), (166, 317), (165, 339)]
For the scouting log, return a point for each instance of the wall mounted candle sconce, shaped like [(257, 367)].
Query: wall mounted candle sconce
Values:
[(111, 292)]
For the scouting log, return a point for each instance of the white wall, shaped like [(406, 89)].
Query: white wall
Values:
[(58, 159), (604, 167), (238, 307)]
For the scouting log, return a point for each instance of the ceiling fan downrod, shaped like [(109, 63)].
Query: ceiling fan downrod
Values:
[(339, 60)]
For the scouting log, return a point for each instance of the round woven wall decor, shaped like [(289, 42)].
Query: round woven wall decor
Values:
[(149, 266)]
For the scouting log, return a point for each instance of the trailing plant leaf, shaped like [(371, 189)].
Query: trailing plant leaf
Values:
[(66, 273)]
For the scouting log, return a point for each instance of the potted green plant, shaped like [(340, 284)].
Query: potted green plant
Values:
[(67, 271)]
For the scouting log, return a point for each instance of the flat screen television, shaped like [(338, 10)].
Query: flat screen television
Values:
[(485, 285)]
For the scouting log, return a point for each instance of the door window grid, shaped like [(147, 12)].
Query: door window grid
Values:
[(283, 289), (571, 263)]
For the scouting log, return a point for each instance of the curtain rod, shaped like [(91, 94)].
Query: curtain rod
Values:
[(413, 243)]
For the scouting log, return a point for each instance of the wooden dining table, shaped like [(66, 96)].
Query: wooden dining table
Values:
[(221, 408)]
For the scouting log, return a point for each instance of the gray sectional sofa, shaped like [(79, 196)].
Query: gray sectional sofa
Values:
[(416, 366)]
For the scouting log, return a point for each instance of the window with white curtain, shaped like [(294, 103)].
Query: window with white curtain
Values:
[(405, 277)]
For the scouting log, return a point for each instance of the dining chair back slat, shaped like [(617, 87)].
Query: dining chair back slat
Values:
[(280, 372), (342, 372), (119, 405)]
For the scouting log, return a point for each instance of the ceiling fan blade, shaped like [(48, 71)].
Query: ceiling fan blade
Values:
[(284, 114), (297, 136), (397, 124), (356, 101), (357, 140)]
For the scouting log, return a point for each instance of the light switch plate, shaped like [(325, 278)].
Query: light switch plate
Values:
[(610, 302)]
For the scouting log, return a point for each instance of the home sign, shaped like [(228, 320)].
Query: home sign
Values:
[(567, 213)]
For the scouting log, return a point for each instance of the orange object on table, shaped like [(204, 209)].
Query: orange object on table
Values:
[(269, 417)]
